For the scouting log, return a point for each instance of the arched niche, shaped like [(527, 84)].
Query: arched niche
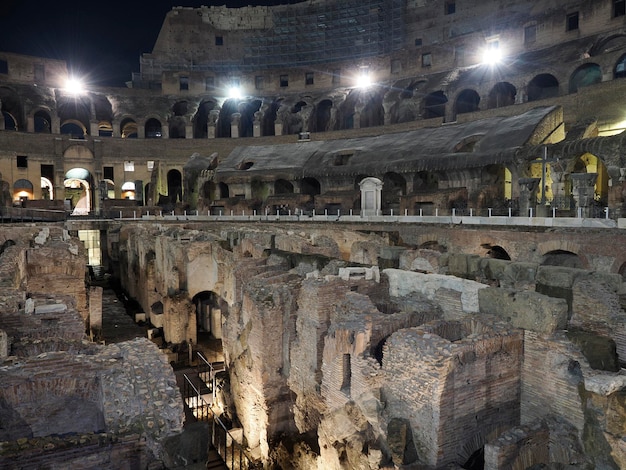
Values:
[(153, 128), (543, 86), (502, 94), (201, 119), (323, 116), (585, 75), (78, 184), (43, 122), (128, 128), (467, 102), (435, 105), (23, 190)]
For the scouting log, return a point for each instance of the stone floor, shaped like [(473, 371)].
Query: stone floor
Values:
[(117, 323)]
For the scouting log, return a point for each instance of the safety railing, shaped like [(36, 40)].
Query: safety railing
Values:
[(195, 393)]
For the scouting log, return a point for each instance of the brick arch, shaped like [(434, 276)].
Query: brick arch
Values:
[(559, 245)]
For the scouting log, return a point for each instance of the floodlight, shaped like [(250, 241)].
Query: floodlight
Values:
[(234, 92), (492, 54), (74, 86), (363, 80)]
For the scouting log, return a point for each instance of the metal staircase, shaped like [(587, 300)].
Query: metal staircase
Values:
[(199, 388)]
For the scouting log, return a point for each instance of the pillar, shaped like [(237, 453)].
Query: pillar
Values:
[(528, 194), (583, 192)]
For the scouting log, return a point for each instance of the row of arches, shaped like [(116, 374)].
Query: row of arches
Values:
[(92, 114)]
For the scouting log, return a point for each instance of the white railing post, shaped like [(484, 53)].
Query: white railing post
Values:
[(489, 210), (606, 213), (436, 212), (421, 212), (553, 212), (471, 212), (120, 214), (453, 211), (580, 212), (530, 210), (509, 212)]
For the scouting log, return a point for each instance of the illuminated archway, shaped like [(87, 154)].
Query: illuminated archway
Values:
[(47, 189), (589, 163), (78, 186), (22, 190)]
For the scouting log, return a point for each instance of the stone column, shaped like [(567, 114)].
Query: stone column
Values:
[(212, 123), (95, 311), (256, 125), (583, 191), (527, 194), (234, 125), (278, 128), (94, 131), (356, 120), (141, 131), (30, 123), (188, 131)]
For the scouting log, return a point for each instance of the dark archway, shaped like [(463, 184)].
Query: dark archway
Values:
[(372, 113), (153, 129), (435, 105), (230, 107), (128, 128), (394, 187), (43, 122), (562, 258), (543, 86), (246, 121), (502, 94), (268, 125), (201, 119), (585, 75), (467, 102), (310, 186), (174, 186), (323, 116), (282, 186)]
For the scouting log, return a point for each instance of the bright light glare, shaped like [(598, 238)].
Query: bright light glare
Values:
[(234, 92), (74, 86), (363, 81), (492, 55)]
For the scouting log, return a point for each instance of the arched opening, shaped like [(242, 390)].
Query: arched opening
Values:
[(154, 129), (47, 189), (22, 190), (12, 109), (563, 258), (230, 107), (201, 119), (209, 311), (10, 124), (585, 75), (496, 252), (269, 119), (105, 129), (75, 115), (394, 187), (128, 128), (589, 163), (467, 102), (373, 113), (224, 191), (435, 105), (310, 186), (42, 122), (174, 186), (128, 190), (323, 116), (108, 189), (476, 461), (78, 185), (620, 67), (346, 111), (75, 129), (283, 187), (178, 122), (543, 86), (246, 120), (502, 94)]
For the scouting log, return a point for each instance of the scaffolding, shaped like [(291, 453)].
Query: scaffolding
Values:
[(306, 34)]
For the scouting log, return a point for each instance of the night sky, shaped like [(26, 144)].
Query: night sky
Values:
[(99, 40)]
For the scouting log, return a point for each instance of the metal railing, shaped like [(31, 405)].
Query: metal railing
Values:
[(195, 398)]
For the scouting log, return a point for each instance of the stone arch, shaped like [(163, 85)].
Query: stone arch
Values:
[(74, 128), (10, 123), (230, 107), (425, 181), (347, 110), (76, 110), (496, 252), (79, 186), (502, 94), (42, 121), (201, 119), (585, 75), (259, 189), (394, 187), (563, 258), (246, 122), (434, 105), (128, 128), (22, 190), (622, 271), (47, 189), (619, 71), (372, 114), (153, 128), (467, 101), (103, 110), (542, 86), (310, 186), (468, 143), (12, 107), (323, 116)]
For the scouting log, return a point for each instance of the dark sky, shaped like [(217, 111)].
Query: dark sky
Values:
[(100, 40)]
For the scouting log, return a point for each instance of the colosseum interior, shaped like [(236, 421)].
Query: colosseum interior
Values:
[(338, 238)]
